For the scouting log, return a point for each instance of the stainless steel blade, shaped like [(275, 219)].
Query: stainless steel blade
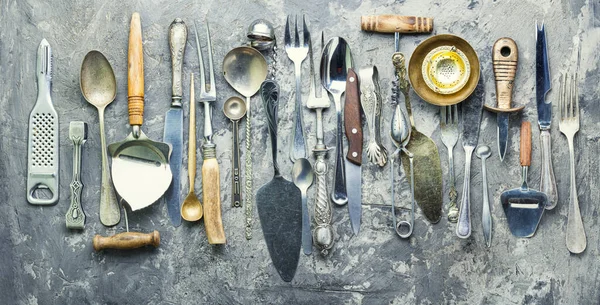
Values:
[(174, 135), (353, 185), (502, 121), (542, 80)]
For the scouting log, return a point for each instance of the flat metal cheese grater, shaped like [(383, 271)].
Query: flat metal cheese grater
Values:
[(42, 155)]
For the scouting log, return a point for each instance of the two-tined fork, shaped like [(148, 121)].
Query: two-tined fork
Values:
[(568, 107), (211, 193), (297, 53), (449, 128)]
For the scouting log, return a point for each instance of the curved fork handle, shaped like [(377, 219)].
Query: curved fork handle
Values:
[(463, 228), (547, 181)]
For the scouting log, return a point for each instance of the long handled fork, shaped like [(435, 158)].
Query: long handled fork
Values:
[(568, 106), (211, 185)]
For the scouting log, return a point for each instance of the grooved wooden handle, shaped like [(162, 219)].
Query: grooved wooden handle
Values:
[(126, 240), (525, 143), (505, 56), (396, 23), (211, 195), (135, 72), (352, 123)]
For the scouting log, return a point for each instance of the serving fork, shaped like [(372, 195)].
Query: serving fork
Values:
[(449, 129), (297, 53), (568, 106)]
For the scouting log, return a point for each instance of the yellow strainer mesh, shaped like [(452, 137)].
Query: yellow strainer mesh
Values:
[(446, 70)]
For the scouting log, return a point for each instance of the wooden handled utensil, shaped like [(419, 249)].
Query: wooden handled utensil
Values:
[(126, 240), (505, 56), (396, 24), (140, 166), (523, 206)]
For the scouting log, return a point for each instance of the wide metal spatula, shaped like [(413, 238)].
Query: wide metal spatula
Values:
[(279, 202), (140, 167), (523, 206)]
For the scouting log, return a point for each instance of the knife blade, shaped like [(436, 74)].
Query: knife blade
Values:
[(173, 133), (471, 119), (544, 108), (505, 56), (353, 128)]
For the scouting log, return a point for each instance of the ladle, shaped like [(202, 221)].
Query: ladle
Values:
[(244, 68), (235, 109)]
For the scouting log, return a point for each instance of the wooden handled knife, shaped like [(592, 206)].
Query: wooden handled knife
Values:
[(353, 128)]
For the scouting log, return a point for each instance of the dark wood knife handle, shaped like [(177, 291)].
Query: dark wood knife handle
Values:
[(352, 119), (525, 143)]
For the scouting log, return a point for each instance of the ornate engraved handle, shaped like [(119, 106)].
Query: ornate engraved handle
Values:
[(75, 218), (177, 39), (323, 232)]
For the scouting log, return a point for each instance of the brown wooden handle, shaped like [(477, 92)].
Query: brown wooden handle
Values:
[(135, 72), (126, 240), (396, 23), (211, 195), (525, 143), (352, 122), (505, 56)]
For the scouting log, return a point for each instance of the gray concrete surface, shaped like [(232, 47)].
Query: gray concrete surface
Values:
[(41, 262)]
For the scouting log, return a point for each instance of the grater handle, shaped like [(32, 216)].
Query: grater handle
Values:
[(525, 143), (126, 240), (135, 73)]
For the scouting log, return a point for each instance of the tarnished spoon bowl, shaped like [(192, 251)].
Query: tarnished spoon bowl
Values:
[(245, 69), (234, 108)]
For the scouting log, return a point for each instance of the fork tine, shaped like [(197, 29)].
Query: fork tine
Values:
[(211, 71), (202, 80), (561, 96), (571, 97), (454, 114), (576, 96), (287, 38), (306, 32), (443, 115), (296, 36)]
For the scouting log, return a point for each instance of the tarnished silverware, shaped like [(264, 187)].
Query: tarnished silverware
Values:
[(99, 88), (471, 119), (449, 129), (297, 53), (75, 218), (335, 62), (323, 232), (483, 152), (569, 125), (370, 98), (211, 186), (400, 134), (428, 176), (244, 68), (235, 109)]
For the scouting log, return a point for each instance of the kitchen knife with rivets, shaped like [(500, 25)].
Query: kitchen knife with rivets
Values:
[(353, 128)]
